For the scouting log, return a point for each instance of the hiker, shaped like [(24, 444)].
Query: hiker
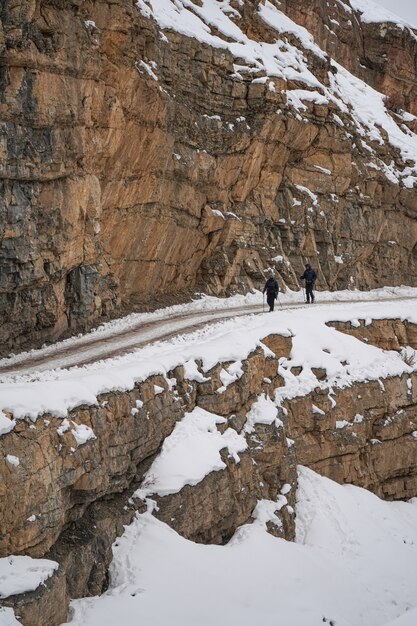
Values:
[(271, 288), (310, 277)]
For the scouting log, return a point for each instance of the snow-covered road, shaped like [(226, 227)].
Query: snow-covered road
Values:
[(122, 353), (138, 330), (93, 347)]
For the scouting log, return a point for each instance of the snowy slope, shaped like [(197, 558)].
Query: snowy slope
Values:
[(353, 564), (407, 619)]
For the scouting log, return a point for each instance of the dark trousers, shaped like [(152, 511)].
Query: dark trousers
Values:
[(270, 298), (309, 292)]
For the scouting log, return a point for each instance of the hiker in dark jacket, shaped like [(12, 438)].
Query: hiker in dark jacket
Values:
[(271, 288), (310, 277)]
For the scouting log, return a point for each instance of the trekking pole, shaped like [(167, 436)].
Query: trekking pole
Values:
[(263, 302), (304, 293)]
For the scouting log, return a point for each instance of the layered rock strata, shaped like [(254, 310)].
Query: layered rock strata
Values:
[(138, 166), (69, 501)]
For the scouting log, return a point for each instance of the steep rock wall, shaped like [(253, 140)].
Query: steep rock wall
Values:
[(125, 186)]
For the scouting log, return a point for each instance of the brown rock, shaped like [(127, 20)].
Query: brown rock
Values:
[(281, 346), (385, 334)]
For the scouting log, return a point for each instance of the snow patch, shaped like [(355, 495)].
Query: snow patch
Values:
[(13, 460), (263, 411), (82, 433), (6, 424), (7, 617), (373, 13), (190, 453), (19, 574)]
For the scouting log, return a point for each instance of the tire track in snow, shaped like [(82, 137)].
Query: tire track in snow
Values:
[(93, 347)]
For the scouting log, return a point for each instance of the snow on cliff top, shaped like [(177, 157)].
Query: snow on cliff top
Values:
[(20, 574), (374, 13), (197, 22), (353, 564), (217, 24)]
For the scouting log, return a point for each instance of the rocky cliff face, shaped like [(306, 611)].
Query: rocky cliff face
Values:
[(141, 164), (383, 55), (68, 499)]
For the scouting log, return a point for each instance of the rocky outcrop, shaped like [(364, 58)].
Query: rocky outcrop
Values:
[(68, 499), (139, 166), (60, 478), (363, 435), (384, 334)]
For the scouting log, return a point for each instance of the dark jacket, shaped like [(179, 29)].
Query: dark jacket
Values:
[(309, 276), (271, 287)]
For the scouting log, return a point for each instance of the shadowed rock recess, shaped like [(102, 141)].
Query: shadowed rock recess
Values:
[(140, 165), (69, 501)]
